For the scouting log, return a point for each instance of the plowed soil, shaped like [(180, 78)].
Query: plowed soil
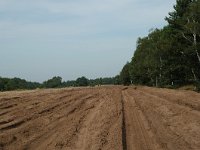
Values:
[(100, 118)]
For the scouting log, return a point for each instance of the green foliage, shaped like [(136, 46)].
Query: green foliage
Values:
[(83, 81), (105, 81), (69, 84), (116, 80), (175, 18), (55, 82), (169, 57), (125, 75), (7, 84), (3, 82)]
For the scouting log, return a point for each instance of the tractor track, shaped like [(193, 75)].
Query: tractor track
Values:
[(124, 142)]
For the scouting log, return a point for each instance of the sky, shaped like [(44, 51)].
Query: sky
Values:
[(40, 39)]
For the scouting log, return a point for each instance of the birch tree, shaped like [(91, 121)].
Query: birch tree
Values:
[(192, 26)]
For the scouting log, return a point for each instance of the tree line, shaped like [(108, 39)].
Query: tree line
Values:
[(8, 84), (169, 57)]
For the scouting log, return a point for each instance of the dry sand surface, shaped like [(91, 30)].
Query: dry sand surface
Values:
[(100, 118)]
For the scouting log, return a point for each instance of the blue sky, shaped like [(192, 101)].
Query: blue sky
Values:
[(40, 39)]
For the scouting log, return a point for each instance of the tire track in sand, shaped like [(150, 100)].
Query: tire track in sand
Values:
[(124, 142), (137, 137)]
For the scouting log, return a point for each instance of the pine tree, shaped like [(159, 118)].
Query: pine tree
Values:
[(175, 17)]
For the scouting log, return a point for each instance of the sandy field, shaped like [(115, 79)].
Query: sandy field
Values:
[(100, 118)]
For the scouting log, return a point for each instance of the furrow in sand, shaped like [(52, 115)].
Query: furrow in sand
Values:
[(61, 125), (137, 136)]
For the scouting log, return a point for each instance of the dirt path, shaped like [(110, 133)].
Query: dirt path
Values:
[(137, 134), (101, 118)]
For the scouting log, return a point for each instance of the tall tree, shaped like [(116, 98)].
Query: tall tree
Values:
[(191, 26), (175, 18), (184, 21)]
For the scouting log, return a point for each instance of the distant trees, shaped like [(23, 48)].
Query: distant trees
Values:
[(55, 82), (105, 81), (94, 82), (7, 84), (16, 83), (116, 80), (71, 83), (83, 81), (3, 82)]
